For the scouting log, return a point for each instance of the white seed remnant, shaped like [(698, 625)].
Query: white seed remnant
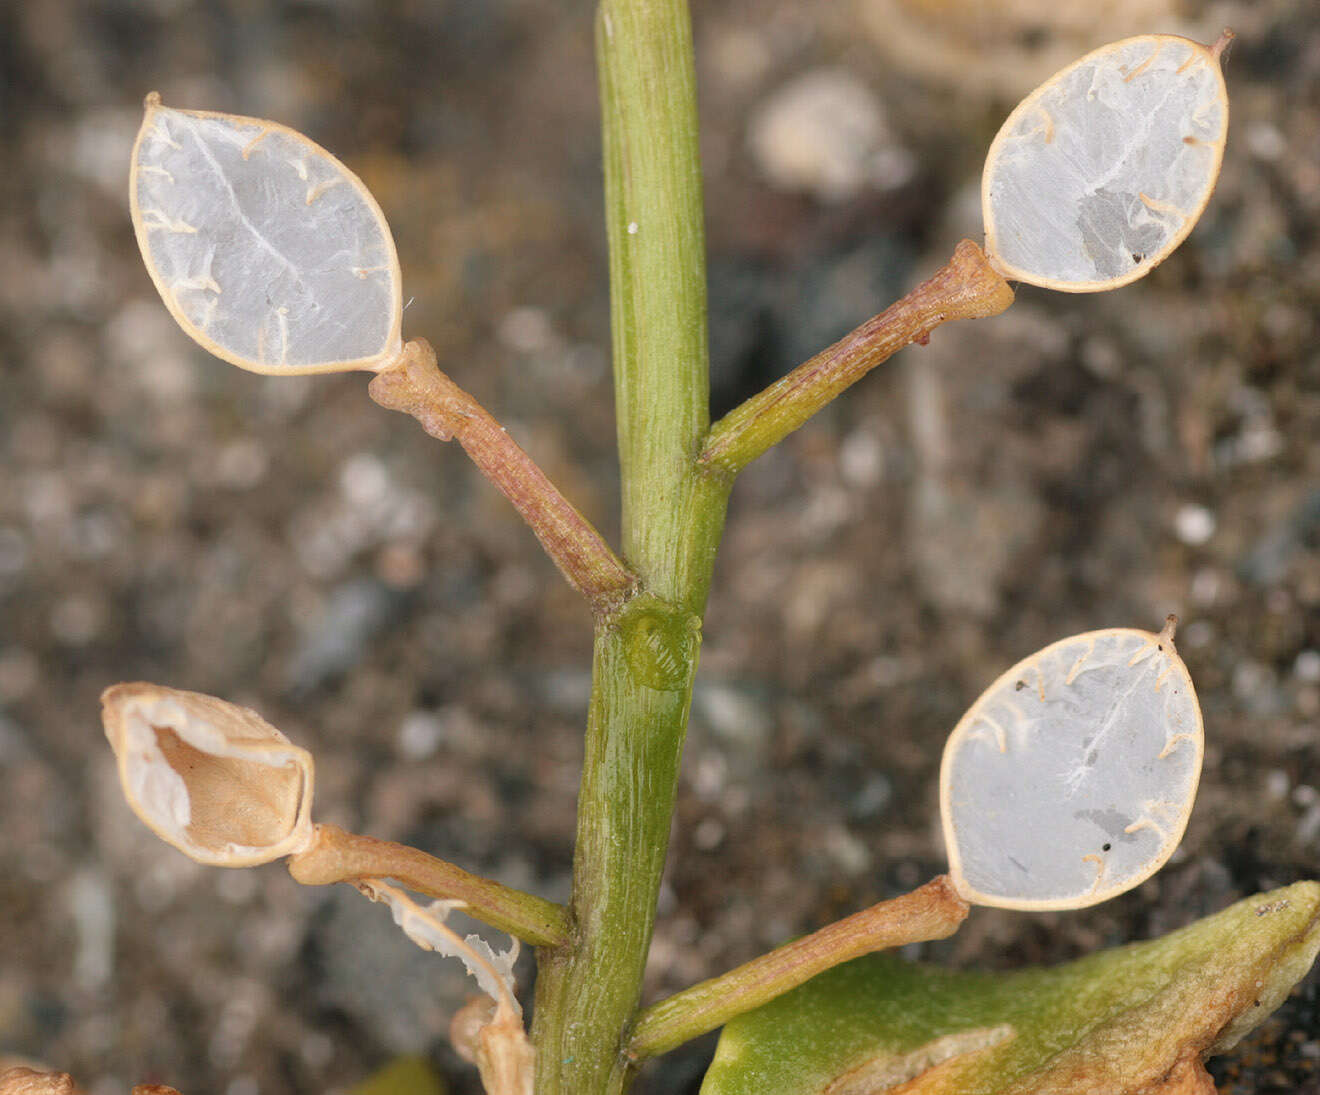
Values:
[(266, 249), (425, 925), (1103, 170), (1071, 778)]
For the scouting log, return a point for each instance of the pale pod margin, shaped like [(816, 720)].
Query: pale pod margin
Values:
[(267, 250), (1103, 170), (1071, 778)]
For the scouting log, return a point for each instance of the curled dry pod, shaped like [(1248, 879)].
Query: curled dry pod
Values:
[(268, 251), (1071, 779), (215, 780), (1102, 171)]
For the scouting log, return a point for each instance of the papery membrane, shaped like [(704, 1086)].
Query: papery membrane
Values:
[(1102, 171), (267, 250), (1071, 778)]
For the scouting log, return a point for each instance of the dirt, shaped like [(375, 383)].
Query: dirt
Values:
[(1079, 462)]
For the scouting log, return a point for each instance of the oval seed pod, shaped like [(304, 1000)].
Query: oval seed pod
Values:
[(1071, 779), (266, 249), (211, 778), (1102, 171)]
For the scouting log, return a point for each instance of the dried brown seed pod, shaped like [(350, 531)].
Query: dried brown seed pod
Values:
[(214, 779)]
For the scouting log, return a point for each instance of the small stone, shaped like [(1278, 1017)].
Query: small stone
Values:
[(420, 735), (363, 479), (13, 552), (708, 835), (241, 464), (874, 796), (76, 620), (1194, 524), (1306, 667), (733, 715), (846, 851), (355, 614), (824, 133), (861, 459), (528, 330), (1277, 783), (1265, 142)]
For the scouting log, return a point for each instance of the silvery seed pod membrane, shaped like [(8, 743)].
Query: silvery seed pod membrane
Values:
[(267, 250), (1071, 778), (1102, 171), (211, 778)]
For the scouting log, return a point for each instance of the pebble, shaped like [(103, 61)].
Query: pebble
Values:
[(733, 714), (92, 906), (1194, 524), (420, 735), (874, 795), (825, 134), (355, 613), (1307, 666)]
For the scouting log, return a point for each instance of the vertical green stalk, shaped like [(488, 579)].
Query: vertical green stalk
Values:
[(646, 653), (654, 217)]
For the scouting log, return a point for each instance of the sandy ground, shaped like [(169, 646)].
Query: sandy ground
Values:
[(1079, 462)]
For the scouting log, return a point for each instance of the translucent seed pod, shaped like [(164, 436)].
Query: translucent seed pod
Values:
[(211, 778), (1070, 780), (1102, 171), (266, 249)]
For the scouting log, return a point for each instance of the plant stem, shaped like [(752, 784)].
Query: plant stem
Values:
[(341, 856), (414, 385), (934, 911), (645, 656), (654, 219), (587, 993), (967, 287)]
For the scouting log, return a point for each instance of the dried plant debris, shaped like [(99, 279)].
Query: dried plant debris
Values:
[(493, 1038)]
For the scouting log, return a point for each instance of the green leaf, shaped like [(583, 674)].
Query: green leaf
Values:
[(1114, 1022)]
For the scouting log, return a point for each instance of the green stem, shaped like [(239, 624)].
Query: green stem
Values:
[(587, 992), (933, 911), (967, 287), (654, 219)]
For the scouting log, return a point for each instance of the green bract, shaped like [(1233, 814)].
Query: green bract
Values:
[(1113, 1022)]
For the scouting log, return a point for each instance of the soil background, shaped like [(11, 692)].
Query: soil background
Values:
[(1079, 462)]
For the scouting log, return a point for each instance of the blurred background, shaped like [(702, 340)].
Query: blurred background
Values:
[(1079, 462)]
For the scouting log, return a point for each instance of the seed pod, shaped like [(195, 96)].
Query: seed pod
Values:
[(1071, 779), (266, 249), (1102, 171), (213, 779)]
